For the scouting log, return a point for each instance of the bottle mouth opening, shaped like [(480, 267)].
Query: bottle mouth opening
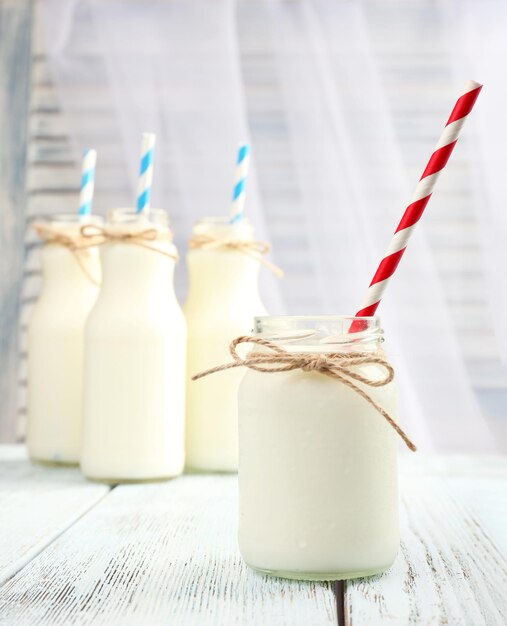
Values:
[(326, 331), (222, 221), (221, 227), (154, 217)]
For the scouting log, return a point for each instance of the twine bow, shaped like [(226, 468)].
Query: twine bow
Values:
[(254, 249), (337, 365), (145, 238)]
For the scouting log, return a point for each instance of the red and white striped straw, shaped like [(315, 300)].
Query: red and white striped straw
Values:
[(420, 199)]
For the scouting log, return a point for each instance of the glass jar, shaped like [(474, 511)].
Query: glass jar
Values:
[(318, 478), (135, 343), (223, 299), (70, 284)]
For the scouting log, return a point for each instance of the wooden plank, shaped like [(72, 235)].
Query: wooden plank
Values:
[(159, 554), (452, 566), (37, 504), (15, 34)]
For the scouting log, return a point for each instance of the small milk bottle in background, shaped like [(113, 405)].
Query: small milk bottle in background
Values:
[(223, 299), (135, 348), (70, 284), (318, 478)]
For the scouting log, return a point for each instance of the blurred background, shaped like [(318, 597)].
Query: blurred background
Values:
[(343, 102)]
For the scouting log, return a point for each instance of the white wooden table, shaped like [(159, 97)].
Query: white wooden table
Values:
[(73, 552)]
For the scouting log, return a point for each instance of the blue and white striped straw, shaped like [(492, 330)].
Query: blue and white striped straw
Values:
[(87, 182), (145, 173), (238, 197)]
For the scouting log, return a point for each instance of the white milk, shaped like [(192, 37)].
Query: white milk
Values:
[(55, 345), (135, 360), (222, 302), (318, 478)]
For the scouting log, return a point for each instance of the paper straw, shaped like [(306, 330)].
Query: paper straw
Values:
[(87, 182), (420, 199), (145, 173), (238, 196)]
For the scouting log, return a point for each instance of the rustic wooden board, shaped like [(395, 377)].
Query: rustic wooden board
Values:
[(452, 567), (166, 553), (37, 504), (159, 554)]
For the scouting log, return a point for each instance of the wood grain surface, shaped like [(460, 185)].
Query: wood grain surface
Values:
[(452, 566), (37, 504), (158, 554), (166, 553)]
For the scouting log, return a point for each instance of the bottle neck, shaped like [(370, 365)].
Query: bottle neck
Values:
[(215, 275), (137, 254), (323, 334), (219, 272), (128, 266), (68, 272)]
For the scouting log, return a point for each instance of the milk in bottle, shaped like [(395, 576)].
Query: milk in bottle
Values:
[(135, 345), (318, 481), (222, 302), (70, 278)]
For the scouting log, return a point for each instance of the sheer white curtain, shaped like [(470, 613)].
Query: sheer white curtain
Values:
[(354, 189), (168, 67), (174, 67), (476, 31)]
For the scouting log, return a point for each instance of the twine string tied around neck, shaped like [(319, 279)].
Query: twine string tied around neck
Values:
[(145, 238), (91, 235), (339, 366)]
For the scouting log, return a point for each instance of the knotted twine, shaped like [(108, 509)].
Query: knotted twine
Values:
[(254, 249), (91, 235), (337, 365)]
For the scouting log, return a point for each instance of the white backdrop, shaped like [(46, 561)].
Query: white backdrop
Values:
[(311, 84)]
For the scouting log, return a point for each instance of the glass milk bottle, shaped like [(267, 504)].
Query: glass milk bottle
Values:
[(318, 478), (135, 345), (70, 279), (223, 299)]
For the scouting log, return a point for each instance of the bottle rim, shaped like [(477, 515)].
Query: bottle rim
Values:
[(323, 330), (70, 218), (129, 215), (222, 221)]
